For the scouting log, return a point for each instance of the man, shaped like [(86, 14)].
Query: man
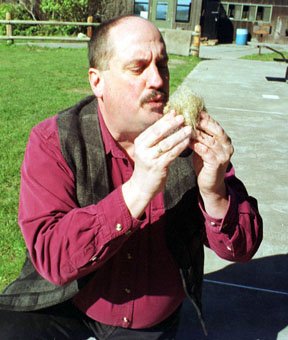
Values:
[(112, 210)]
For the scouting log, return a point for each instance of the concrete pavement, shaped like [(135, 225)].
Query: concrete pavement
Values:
[(248, 301)]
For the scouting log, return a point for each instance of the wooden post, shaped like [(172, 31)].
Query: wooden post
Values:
[(9, 30), (8, 26), (196, 41), (89, 28)]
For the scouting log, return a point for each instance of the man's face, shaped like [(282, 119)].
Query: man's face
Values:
[(136, 85)]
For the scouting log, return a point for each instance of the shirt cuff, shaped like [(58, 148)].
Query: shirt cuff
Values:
[(115, 217), (220, 225)]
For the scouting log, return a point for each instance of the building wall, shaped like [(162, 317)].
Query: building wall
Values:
[(278, 32), (195, 11), (215, 26)]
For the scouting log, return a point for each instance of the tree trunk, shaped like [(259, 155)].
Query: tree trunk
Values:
[(107, 9)]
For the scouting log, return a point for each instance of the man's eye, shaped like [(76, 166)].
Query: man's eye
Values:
[(137, 69)]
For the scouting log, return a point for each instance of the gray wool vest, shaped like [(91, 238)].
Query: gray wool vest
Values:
[(82, 148)]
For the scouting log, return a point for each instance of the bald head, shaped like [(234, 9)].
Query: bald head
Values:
[(102, 44)]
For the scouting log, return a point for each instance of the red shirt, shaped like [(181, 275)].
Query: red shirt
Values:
[(135, 281)]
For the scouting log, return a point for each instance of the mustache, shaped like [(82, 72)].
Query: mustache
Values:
[(160, 95)]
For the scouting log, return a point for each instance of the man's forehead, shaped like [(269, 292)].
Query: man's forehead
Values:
[(135, 22), (135, 29), (145, 50), (140, 55), (138, 41)]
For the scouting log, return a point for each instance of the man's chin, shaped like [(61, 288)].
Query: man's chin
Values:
[(151, 119), (156, 114), (152, 114)]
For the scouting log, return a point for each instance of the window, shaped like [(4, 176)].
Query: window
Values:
[(141, 6), (247, 12), (231, 11), (252, 13), (259, 15), (238, 9), (234, 11), (183, 10), (263, 13), (161, 10)]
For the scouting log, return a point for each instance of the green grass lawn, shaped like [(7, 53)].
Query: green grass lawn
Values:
[(35, 84), (264, 56)]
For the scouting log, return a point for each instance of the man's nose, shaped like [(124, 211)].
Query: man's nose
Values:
[(155, 79)]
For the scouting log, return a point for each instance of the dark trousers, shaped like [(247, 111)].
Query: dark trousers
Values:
[(65, 321)]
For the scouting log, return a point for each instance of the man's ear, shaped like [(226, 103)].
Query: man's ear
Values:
[(96, 82)]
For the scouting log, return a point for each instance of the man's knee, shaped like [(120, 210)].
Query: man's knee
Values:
[(16, 325), (39, 325)]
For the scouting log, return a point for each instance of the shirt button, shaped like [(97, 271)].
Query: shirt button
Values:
[(127, 290), (126, 320), (94, 258), (129, 256), (212, 223), (118, 227)]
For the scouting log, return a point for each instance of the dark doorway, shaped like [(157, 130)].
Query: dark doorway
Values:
[(215, 22), (209, 19), (225, 27)]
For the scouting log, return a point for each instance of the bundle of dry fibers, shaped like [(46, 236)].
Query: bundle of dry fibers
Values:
[(188, 104)]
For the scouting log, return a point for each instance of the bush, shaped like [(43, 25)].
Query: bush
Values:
[(17, 12), (65, 10), (56, 10)]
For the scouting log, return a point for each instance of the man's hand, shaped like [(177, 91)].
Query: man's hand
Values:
[(212, 153), (154, 150)]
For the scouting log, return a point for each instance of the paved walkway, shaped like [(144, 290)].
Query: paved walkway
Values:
[(248, 301)]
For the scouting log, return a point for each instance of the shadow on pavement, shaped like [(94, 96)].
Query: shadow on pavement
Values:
[(258, 311), (283, 80)]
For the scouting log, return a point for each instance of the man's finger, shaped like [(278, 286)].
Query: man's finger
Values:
[(161, 129)]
